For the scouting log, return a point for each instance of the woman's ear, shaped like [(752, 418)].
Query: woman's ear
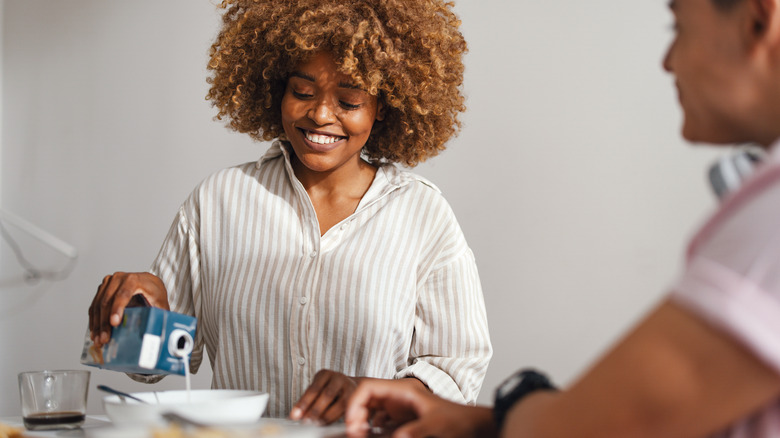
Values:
[(380, 111)]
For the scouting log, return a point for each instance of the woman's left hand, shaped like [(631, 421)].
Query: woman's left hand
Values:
[(325, 400)]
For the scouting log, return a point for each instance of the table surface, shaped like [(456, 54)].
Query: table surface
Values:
[(99, 426)]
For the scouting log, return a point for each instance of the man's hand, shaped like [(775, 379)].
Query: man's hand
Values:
[(416, 411)]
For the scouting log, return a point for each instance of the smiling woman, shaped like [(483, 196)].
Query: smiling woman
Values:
[(407, 54), (323, 263)]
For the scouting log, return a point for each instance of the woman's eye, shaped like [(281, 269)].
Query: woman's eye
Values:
[(349, 106), (300, 95)]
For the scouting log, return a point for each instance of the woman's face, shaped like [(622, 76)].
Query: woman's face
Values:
[(326, 118), (711, 65)]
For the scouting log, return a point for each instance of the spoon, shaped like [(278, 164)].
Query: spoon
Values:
[(121, 394)]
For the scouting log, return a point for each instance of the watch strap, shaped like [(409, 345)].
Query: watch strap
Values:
[(515, 388)]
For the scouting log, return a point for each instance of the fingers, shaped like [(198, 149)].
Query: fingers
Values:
[(325, 400), (99, 311), (394, 401), (330, 398), (309, 396), (94, 309), (358, 410), (334, 412), (114, 294)]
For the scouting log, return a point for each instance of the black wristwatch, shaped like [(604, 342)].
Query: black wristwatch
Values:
[(513, 389)]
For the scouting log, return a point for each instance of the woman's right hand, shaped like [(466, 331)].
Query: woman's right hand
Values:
[(113, 295)]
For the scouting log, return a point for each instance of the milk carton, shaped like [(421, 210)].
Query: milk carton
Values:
[(149, 340)]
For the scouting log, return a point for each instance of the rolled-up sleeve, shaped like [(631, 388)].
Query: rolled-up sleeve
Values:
[(451, 347), (732, 278)]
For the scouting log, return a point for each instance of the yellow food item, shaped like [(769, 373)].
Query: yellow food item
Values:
[(176, 431), (7, 431)]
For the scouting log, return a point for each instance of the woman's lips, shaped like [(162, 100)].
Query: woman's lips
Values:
[(321, 142)]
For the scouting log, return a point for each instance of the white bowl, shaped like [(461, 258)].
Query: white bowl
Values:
[(210, 406)]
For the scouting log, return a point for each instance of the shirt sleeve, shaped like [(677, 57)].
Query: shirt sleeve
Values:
[(177, 265), (450, 348), (732, 279)]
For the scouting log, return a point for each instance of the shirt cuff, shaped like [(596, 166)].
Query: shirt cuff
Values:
[(439, 382)]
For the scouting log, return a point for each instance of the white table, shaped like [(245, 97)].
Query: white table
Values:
[(99, 426)]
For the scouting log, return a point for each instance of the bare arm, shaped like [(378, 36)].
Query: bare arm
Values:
[(672, 376)]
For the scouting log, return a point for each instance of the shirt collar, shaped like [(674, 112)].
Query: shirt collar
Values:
[(276, 150), (388, 176), (774, 150)]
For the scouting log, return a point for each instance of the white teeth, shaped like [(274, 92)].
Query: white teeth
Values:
[(320, 138)]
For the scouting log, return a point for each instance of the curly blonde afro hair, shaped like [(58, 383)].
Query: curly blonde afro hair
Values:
[(408, 53)]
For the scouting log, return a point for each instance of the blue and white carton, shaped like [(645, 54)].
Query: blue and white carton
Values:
[(149, 340)]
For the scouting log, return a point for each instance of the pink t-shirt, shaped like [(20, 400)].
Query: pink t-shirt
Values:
[(732, 279)]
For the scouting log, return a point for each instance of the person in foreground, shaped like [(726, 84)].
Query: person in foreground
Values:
[(706, 361), (323, 262)]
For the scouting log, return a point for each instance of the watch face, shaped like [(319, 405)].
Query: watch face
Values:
[(509, 384)]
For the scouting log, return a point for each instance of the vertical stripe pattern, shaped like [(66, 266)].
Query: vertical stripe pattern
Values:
[(392, 291)]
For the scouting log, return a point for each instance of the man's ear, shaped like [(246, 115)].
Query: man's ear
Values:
[(763, 16)]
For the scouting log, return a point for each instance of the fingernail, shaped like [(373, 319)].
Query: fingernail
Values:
[(103, 337), (295, 414), (115, 318)]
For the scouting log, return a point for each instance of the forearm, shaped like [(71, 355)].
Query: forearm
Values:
[(569, 414), (672, 376), (482, 422)]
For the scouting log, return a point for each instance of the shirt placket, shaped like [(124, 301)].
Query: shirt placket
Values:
[(301, 342)]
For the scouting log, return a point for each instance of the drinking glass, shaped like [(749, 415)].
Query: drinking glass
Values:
[(53, 399)]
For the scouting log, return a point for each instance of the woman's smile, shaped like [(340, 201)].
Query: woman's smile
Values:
[(321, 141)]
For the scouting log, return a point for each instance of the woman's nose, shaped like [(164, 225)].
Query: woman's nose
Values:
[(322, 113)]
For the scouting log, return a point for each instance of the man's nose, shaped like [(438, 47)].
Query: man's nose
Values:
[(667, 61)]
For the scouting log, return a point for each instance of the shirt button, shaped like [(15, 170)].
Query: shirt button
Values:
[(304, 300), (301, 361), (313, 254)]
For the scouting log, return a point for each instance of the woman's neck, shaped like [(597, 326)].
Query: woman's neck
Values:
[(352, 179)]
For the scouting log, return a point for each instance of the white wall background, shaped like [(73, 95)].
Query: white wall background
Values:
[(570, 179)]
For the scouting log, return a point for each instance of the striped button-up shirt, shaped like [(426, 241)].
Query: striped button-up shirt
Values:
[(392, 291)]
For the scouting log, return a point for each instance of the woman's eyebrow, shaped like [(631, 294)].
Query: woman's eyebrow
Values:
[(302, 75), (350, 85), (306, 77)]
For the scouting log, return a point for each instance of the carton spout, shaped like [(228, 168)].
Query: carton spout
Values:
[(180, 343)]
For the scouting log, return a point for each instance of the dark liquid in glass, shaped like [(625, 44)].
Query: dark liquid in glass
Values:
[(53, 420)]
